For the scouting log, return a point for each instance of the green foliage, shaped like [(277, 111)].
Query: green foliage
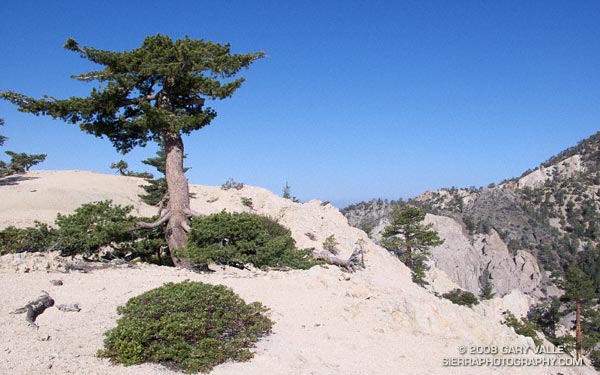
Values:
[(191, 326), (578, 286), (127, 108), (247, 202), (33, 239), (287, 193), (418, 274), (522, 327), (98, 225), (123, 168), (461, 297), (469, 224), (546, 317), (19, 162), (156, 188), (487, 289), (236, 239), (594, 356), (232, 184), (410, 239), (93, 226), (2, 138), (590, 328), (330, 244)]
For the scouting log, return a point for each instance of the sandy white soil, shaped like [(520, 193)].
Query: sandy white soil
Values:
[(375, 321)]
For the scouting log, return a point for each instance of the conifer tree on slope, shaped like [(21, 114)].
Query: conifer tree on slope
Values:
[(579, 288), (20, 162), (156, 92), (410, 239)]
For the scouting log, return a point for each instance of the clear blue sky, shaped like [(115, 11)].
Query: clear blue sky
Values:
[(358, 99)]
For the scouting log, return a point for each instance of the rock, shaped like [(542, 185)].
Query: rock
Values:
[(72, 307), (464, 259)]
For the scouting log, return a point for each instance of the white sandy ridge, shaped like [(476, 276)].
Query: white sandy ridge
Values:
[(375, 321)]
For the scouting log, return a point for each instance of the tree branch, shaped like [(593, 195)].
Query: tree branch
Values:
[(161, 204), (186, 227), (126, 102), (157, 223)]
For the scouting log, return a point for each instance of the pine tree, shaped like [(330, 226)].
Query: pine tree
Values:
[(410, 239), (287, 193), (155, 93), (121, 166), (487, 289), (579, 289), (19, 162)]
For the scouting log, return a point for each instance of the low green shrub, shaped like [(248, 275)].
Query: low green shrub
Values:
[(40, 237), (247, 202), (461, 297), (522, 327), (92, 227), (330, 244), (191, 326), (237, 239)]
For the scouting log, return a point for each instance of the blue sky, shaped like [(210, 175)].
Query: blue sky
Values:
[(357, 99)]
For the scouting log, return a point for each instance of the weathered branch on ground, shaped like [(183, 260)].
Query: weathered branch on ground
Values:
[(35, 308), (157, 223), (351, 264)]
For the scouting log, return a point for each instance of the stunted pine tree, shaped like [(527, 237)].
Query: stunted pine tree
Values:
[(156, 92), (410, 239), (20, 162), (487, 288)]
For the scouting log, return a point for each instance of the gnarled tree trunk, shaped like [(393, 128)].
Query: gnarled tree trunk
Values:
[(179, 197)]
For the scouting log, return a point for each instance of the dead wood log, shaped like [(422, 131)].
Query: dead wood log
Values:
[(351, 264), (35, 308)]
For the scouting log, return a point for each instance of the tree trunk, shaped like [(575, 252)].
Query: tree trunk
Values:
[(578, 329), (179, 197)]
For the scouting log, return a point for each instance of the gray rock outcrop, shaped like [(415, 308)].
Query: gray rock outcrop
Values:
[(466, 258)]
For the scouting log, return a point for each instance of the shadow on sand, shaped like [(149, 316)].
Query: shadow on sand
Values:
[(14, 180)]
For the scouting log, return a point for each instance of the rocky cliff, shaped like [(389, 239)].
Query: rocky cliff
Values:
[(528, 229)]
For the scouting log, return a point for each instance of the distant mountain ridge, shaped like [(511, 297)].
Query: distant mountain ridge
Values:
[(551, 211)]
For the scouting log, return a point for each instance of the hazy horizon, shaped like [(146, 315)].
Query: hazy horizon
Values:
[(356, 100)]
